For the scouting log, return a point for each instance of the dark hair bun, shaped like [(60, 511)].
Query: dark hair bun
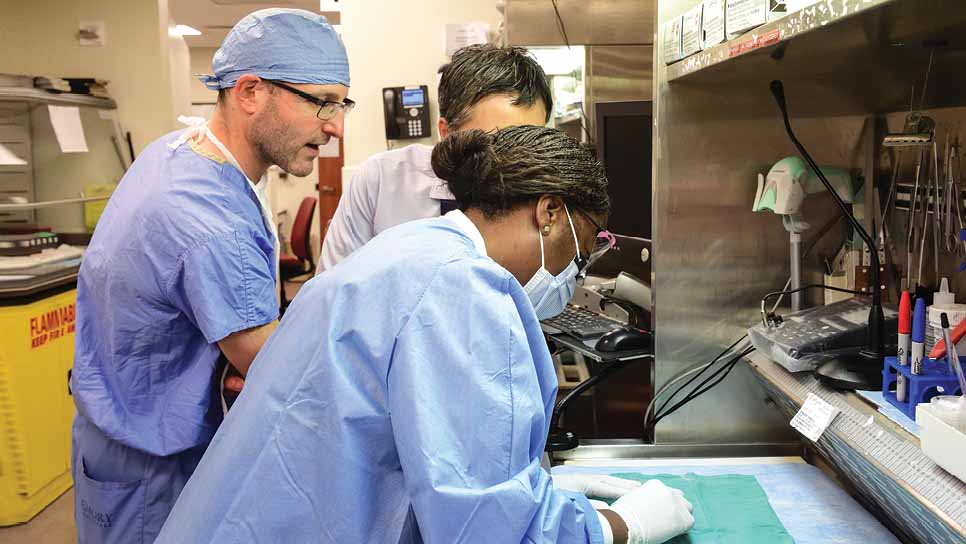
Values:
[(465, 160)]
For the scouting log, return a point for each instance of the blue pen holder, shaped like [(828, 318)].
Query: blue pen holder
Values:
[(919, 387)]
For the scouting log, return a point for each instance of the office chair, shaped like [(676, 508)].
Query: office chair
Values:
[(300, 261)]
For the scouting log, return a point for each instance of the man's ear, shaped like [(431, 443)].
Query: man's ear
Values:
[(443, 127), (245, 93)]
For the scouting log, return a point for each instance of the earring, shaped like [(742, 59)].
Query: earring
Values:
[(546, 230)]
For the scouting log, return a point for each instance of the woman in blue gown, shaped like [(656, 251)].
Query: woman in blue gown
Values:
[(406, 395)]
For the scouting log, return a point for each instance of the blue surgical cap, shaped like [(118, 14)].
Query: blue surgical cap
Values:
[(291, 45)]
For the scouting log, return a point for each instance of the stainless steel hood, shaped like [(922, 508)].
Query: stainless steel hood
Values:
[(588, 22)]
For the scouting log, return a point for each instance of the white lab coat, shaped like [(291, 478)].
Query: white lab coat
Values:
[(388, 189)]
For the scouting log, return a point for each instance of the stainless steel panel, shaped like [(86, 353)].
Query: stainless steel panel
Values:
[(615, 22), (713, 257), (617, 73), (632, 449), (620, 73)]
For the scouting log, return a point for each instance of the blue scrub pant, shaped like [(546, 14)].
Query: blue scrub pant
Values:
[(122, 494)]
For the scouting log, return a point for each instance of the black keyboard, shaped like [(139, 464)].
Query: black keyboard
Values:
[(582, 323)]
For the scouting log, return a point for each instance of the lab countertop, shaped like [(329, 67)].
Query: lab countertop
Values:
[(878, 457), (812, 507)]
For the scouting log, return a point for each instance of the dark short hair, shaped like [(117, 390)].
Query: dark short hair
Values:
[(223, 93), (479, 71), (497, 171)]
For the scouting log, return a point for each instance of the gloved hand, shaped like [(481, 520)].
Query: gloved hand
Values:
[(654, 513), (595, 485)]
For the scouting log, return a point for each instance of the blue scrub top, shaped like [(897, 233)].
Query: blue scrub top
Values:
[(180, 259), (404, 398)]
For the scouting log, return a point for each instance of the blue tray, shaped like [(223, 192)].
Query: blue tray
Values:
[(936, 374)]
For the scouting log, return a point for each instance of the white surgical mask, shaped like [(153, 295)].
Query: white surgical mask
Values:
[(550, 294)]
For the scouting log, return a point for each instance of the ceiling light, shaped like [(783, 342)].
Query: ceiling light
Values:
[(185, 30)]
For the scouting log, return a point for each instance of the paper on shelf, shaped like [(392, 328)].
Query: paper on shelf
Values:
[(713, 23), (691, 31), (68, 128), (814, 417), (672, 40)]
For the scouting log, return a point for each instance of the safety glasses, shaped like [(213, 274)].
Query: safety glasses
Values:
[(603, 242), (327, 108)]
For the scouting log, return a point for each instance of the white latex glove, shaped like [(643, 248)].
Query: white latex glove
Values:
[(595, 485), (654, 513)]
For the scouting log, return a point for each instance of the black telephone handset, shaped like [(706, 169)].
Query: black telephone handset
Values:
[(406, 111), (389, 107)]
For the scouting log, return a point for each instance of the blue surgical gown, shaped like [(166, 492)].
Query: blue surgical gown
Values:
[(180, 259), (405, 398)]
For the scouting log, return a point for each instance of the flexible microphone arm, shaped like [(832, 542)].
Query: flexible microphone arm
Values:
[(876, 317)]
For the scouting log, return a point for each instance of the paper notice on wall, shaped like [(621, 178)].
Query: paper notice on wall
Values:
[(461, 35), (68, 128), (814, 417), (9, 158)]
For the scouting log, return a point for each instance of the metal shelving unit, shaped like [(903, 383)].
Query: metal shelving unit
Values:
[(40, 96), (843, 64), (871, 50)]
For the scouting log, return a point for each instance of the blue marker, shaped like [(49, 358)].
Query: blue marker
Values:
[(918, 335)]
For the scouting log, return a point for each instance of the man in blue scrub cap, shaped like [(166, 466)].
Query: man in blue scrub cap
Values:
[(182, 270)]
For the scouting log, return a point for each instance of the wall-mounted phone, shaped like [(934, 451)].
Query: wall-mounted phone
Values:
[(407, 112)]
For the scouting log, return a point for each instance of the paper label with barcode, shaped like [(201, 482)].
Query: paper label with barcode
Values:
[(814, 417)]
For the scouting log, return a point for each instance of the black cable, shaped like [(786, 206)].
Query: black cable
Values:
[(811, 286), (563, 34), (697, 375), (764, 300), (610, 369), (701, 389), (560, 23), (704, 386), (657, 416)]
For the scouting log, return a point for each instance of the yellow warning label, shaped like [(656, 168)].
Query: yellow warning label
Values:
[(51, 325)]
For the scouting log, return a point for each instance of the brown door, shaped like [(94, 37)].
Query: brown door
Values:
[(330, 187)]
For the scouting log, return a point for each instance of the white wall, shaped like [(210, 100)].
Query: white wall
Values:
[(180, 68), (40, 38), (392, 43), (201, 64)]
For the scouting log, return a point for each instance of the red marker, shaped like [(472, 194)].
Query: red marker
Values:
[(905, 329), (939, 350)]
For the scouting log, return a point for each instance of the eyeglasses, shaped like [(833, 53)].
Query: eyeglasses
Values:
[(603, 242), (327, 108)]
